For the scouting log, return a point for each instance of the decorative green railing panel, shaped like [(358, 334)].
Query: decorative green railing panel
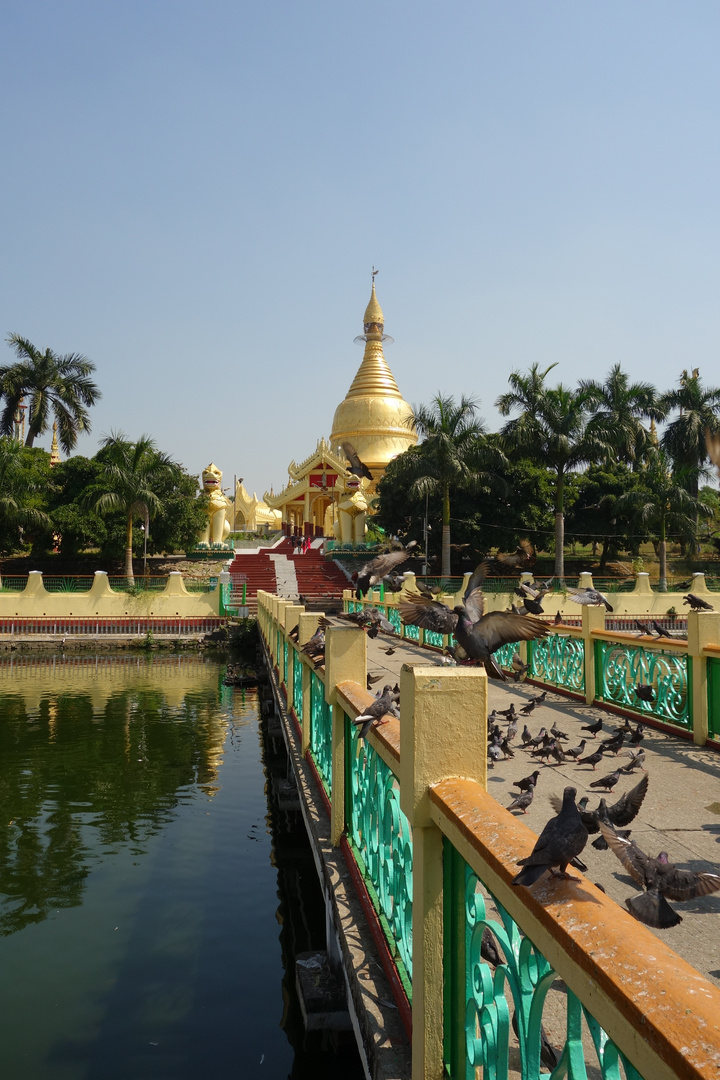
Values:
[(620, 668), (380, 837), (505, 653), (412, 633), (713, 692), (285, 662), (393, 617), (297, 686), (477, 1029), (433, 638), (558, 659), (278, 648), (321, 731)]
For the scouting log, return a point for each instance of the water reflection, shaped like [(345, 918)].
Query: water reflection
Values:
[(109, 756)]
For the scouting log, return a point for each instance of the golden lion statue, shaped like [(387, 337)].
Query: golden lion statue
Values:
[(218, 526)]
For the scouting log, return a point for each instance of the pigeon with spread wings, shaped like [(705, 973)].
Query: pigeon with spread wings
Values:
[(478, 634), (374, 571), (356, 467)]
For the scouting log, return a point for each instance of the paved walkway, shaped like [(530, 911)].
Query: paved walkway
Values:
[(680, 814)]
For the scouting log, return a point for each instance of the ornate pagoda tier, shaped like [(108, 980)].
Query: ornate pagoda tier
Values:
[(374, 416)]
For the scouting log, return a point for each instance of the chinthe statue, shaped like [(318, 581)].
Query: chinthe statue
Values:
[(218, 526)]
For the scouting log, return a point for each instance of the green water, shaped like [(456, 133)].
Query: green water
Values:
[(151, 899)]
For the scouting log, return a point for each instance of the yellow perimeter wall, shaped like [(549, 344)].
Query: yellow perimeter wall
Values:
[(36, 602)]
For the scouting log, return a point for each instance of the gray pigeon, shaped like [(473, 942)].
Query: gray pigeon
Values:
[(607, 782), (589, 596), (561, 841), (375, 713), (523, 800), (660, 878), (527, 782), (696, 603)]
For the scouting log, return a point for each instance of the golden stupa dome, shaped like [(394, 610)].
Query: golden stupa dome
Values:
[(374, 415)]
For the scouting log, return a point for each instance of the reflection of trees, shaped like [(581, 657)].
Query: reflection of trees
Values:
[(67, 770)]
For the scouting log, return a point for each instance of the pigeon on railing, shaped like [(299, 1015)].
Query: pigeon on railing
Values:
[(697, 603), (561, 841)]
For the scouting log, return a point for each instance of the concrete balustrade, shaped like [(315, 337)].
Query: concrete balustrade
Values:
[(102, 601), (657, 1010)]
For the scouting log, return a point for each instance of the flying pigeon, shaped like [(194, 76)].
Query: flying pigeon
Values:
[(562, 840), (660, 879), (357, 467), (620, 813), (590, 596), (374, 571), (479, 635)]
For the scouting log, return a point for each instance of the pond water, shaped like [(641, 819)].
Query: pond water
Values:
[(151, 896)]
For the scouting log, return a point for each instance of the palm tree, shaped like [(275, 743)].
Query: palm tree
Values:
[(14, 492), (452, 454), (55, 385), (663, 504), (684, 437), (131, 474), (617, 409), (550, 430)]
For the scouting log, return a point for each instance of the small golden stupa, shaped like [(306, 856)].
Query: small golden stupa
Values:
[(373, 416)]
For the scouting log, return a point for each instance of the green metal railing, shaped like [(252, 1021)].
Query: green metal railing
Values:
[(380, 838), (481, 998), (559, 660), (619, 668), (321, 732), (297, 686)]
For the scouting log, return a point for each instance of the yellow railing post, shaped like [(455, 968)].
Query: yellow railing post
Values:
[(292, 616), (345, 661), (307, 625), (443, 733), (703, 629), (593, 618)]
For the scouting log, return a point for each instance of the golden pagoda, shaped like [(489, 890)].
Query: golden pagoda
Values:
[(373, 416), (55, 449)]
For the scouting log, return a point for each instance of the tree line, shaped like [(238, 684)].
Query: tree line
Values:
[(583, 463), (83, 503)]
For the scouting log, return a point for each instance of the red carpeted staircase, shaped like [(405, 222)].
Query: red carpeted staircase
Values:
[(318, 579)]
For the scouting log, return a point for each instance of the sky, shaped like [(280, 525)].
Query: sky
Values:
[(194, 195)]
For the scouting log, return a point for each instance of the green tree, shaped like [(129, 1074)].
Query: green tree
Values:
[(57, 386), (452, 455), (594, 517), (77, 526), (20, 493), (663, 505), (550, 431), (131, 479), (684, 437), (617, 409)]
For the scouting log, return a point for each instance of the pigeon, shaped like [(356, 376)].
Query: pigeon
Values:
[(357, 467), (562, 840), (511, 731), (620, 813), (558, 618), (371, 619), (495, 753), (660, 879), (592, 759), (613, 745), (540, 698), (577, 750), (645, 630), (697, 603), (532, 598), (373, 679), (523, 800), (293, 635), (518, 667), (509, 714), (390, 651), (548, 1054), (430, 591), (590, 596), (315, 647), (555, 730), (393, 582), (507, 749), (625, 727), (522, 558), (645, 692), (608, 782), (534, 743), (527, 782), (593, 728), (479, 635), (526, 736), (659, 630), (638, 735), (528, 708), (557, 753), (637, 761), (383, 705), (544, 751), (374, 571)]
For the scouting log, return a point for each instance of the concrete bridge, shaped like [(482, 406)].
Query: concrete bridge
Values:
[(416, 859)]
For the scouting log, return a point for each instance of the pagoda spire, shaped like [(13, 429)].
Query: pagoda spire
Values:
[(373, 376), (54, 449)]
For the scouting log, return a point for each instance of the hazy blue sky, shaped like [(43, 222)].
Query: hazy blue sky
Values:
[(194, 195)]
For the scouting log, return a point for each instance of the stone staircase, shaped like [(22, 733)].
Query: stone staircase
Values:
[(279, 570)]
